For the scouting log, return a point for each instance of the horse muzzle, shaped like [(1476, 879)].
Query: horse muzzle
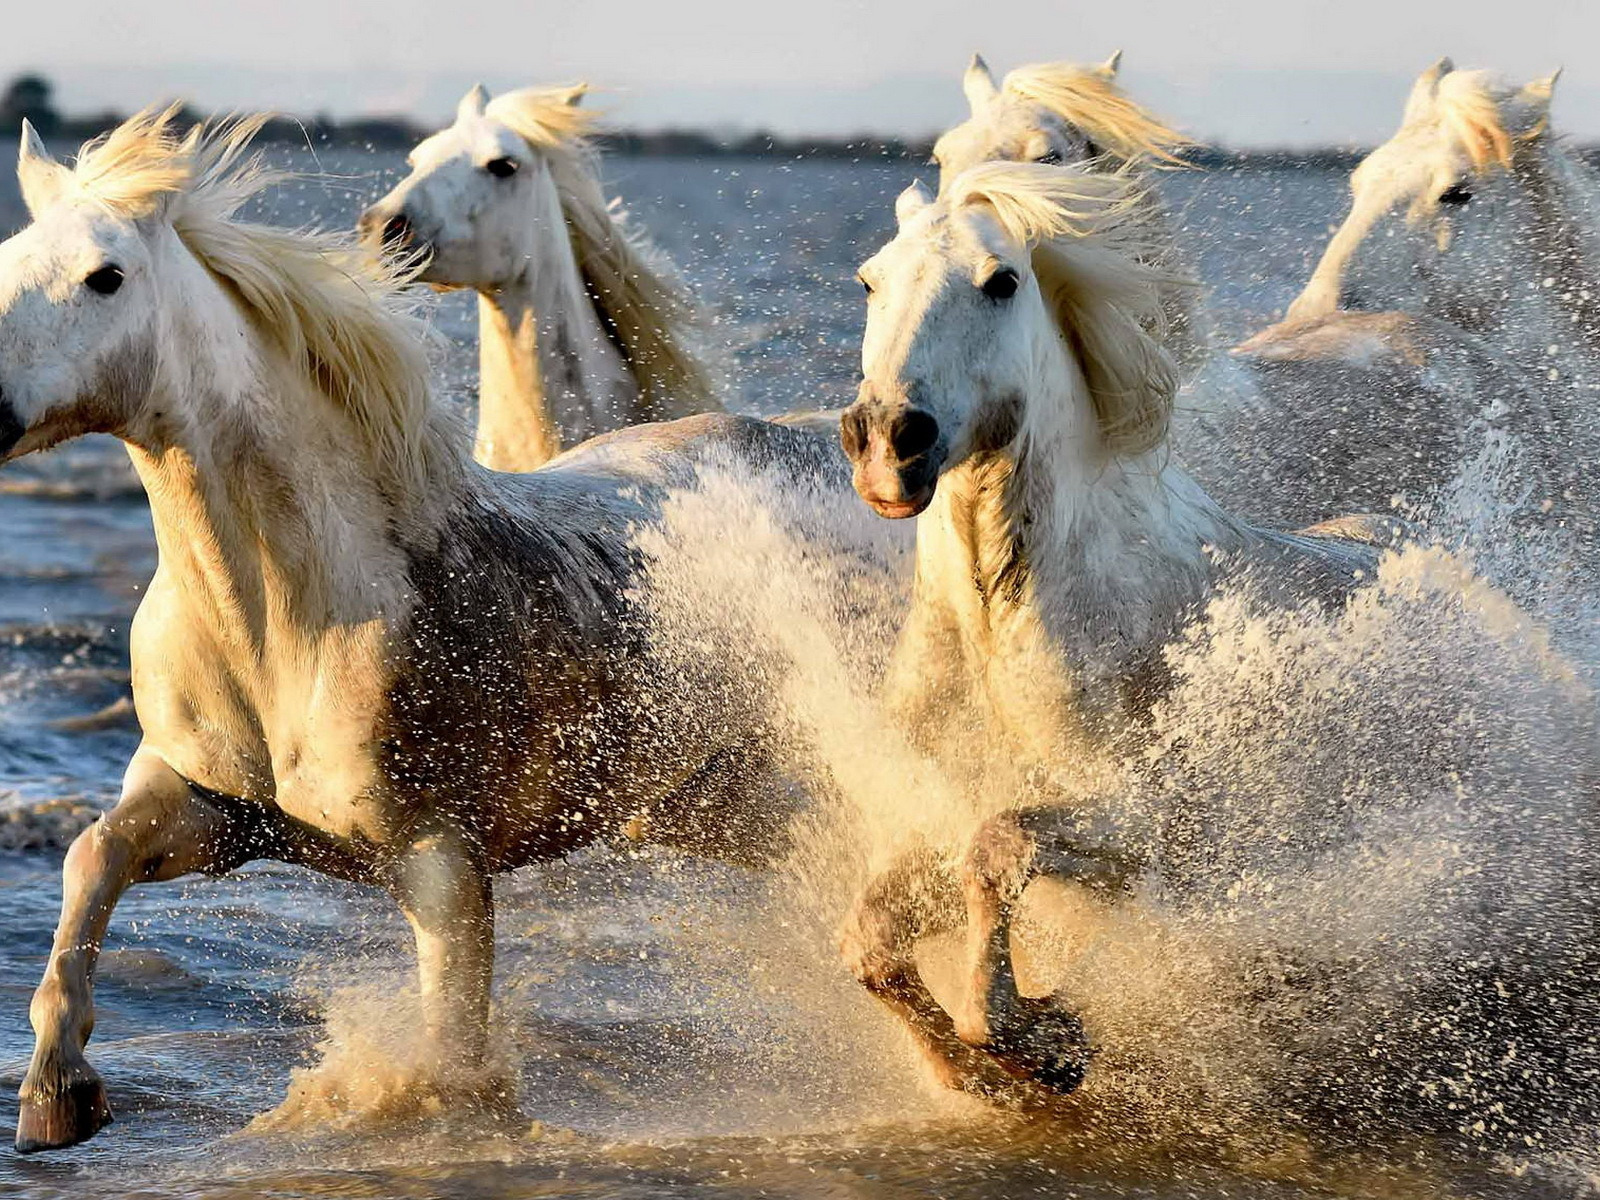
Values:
[(390, 231), (11, 428), (895, 454)]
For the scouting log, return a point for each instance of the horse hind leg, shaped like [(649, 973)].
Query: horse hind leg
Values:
[(1037, 1039), (915, 897), (159, 829)]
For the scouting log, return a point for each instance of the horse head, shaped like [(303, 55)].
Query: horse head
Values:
[(1436, 209), (1053, 113), (1011, 303), (85, 292), (480, 192)]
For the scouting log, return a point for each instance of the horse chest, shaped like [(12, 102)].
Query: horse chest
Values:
[(289, 726)]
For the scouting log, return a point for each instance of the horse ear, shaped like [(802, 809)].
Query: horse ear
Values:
[(911, 201), (41, 178), (1541, 90), (1426, 87), (573, 96), (473, 103), (978, 83), (1112, 65)]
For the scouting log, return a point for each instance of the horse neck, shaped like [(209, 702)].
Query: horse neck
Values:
[(266, 520), (1104, 554), (1563, 304), (1321, 294), (550, 375)]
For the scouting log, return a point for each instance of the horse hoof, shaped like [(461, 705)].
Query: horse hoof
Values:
[(73, 1115), (1056, 1052)]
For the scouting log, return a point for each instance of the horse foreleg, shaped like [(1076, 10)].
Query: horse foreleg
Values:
[(160, 829), (445, 892), (1038, 1039), (914, 898)]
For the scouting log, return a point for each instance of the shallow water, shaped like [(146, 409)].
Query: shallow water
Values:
[(677, 1026)]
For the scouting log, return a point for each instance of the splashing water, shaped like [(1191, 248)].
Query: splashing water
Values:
[(1373, 913)]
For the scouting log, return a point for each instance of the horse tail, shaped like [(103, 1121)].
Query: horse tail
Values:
[(1368, 529)]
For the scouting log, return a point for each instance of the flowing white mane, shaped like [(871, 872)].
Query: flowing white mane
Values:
[(1089, 99), (336, 310), (643, 308), (1093, 268)]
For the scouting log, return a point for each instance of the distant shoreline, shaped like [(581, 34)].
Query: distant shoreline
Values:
[(402, 133)]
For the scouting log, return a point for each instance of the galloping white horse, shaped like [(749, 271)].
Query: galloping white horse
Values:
[(1014, 398), (1476, 215), (1283, 432), (360, 652), (1471, 200), (581, 326)]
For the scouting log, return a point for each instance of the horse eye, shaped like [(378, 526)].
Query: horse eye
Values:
[(1456, 193), (104, 281), (1002, 285), (1049, 158), (501, 168)]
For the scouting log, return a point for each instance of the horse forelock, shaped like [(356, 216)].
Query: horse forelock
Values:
[(1090, 100), (1094, 273), (544, 117), (641, 304), (339, 313), (1470, 107)]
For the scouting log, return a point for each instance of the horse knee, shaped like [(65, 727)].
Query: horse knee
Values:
[(1001, 857), (874, 944)]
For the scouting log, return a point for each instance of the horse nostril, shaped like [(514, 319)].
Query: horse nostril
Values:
[(913, 433), (853, 433), (397, 232)]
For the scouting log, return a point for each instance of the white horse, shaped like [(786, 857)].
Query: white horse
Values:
[(582, 327), (1015, 399), (1281, 431), (360, 652), (1475, 215), (1473, 199)]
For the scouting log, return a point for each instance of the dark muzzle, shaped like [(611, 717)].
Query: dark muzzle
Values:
[(896, 453), (11, 427)]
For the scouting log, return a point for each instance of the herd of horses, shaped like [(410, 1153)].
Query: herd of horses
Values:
[(372, 653)]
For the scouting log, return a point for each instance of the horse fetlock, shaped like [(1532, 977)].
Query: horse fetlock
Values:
[(972, 1025), (63, 1102), (62, 1009)]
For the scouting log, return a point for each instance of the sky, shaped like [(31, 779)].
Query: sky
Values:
[(1241, 72)]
